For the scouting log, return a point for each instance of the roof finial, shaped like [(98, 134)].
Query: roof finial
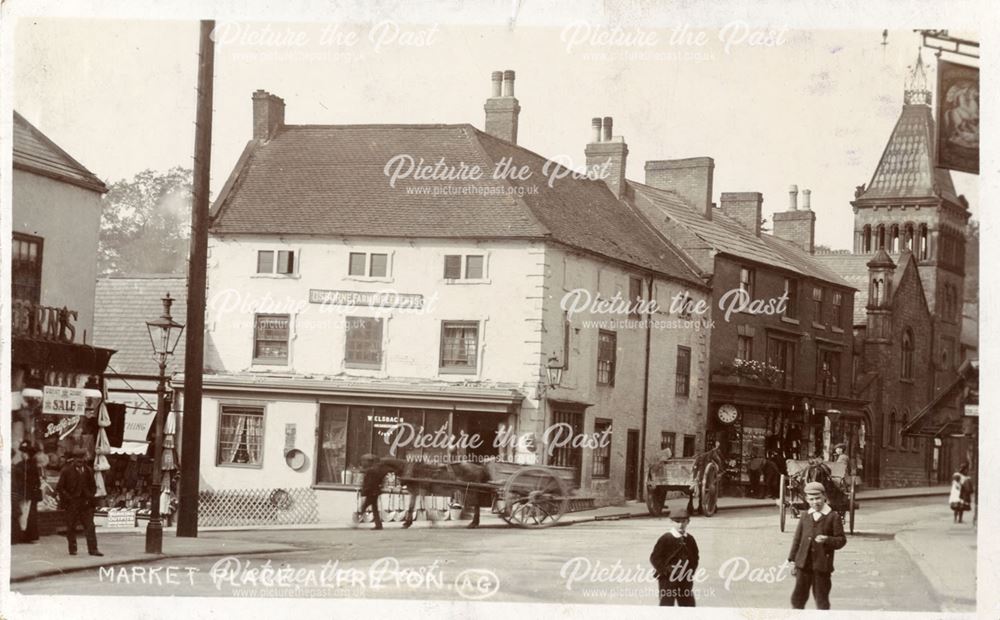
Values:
[(915, 90)]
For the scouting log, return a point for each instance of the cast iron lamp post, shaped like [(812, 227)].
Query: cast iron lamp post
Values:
[(164, 334)]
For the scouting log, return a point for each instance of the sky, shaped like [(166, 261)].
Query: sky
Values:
[(807, 107)]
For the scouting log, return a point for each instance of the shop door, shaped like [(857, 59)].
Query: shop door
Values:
[(632, 465)]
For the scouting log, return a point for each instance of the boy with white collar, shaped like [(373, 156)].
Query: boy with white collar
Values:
[(675, 558), (818, 534)]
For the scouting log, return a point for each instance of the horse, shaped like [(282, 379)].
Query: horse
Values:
[(438, 479)]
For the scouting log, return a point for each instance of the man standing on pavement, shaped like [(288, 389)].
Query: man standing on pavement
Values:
[(76, 489), (818, 534), (675, 558), (26, 488), (371, 487)]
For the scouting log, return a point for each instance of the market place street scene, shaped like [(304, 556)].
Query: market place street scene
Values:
[(311, 318)]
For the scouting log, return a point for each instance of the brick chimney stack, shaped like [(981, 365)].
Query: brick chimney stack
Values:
[(268, 115), (690, 178), (795, 225), (744, 207), (502, 107), (608, 155)]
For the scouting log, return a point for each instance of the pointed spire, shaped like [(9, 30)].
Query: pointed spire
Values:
[(915, 91)]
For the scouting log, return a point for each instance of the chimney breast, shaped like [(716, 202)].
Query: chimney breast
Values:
[(744, 207), (690, 178), (793, 197), (607, 157), (268, 115), (502, 109)]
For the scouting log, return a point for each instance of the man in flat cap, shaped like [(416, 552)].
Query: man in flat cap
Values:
[(675, 558), (818, 534), (76, 489)]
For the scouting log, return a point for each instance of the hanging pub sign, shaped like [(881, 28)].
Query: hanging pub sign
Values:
[(958, 117), (63, 401)]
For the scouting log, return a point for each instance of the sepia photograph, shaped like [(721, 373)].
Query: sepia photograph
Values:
[(493, 309)]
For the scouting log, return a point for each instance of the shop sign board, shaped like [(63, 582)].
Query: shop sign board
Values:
[(63, 401)]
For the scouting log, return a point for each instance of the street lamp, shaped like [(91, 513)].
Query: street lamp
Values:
[(164, 334), (554, 370)]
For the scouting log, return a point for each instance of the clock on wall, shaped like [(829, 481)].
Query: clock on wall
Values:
[(728, 413)]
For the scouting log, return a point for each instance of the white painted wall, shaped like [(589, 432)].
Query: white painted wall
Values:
[(68, 218)]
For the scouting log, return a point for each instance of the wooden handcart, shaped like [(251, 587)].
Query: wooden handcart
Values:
[(698, 477), (839, 484)]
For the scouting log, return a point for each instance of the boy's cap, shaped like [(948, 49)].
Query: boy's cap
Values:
[(815, 488)]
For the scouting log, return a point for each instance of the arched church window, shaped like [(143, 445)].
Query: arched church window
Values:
[(906, 355)]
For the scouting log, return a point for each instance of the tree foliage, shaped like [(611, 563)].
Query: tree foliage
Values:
[(146, 224)]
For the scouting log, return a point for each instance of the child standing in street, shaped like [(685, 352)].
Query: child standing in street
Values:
[(818, 534)]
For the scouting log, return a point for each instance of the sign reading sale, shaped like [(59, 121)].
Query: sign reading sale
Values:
[(63, 401)]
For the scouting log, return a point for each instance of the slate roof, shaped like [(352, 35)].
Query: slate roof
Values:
[(35, 152), (725, 235), (853, 269), (122, 305), (906, 168), (330, 180)]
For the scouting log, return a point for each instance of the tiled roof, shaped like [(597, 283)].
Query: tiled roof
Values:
[(853, 269), (331, 180), (122, 305), (34, 152), (906, 168), (725, 235)]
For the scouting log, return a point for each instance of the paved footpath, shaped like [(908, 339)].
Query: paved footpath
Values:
[(122, 547)]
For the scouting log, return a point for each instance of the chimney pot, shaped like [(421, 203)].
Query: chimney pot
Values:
[(508, 83), (496, 79), (793, 197), (806, 203), (595, 125), (607, 129)]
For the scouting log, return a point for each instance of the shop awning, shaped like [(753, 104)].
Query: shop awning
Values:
[(482, 397), (131, 447), (71, 357)]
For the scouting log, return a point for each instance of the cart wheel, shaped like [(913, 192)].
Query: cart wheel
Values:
[(708, 499), (533, 498), (782, 501), (654, 501), (853, 505)]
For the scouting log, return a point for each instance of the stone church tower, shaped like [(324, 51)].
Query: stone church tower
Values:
[(909, 205), (908, 266)]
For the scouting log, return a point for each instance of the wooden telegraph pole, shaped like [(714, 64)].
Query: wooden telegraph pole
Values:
[(187, 517)]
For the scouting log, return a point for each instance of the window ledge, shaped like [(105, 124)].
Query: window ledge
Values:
[(334, 486), (369, 279), (818, 326), (836, 329), (276, 276), (450, 281), (457, 371), (360, 366), (240, 465), (787, 319), (264, 368), (902, 380)]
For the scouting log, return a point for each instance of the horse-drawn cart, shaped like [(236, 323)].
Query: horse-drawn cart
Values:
[(839, 485), (698, 477), (527, 496)]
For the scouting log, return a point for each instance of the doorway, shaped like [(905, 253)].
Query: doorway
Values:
[(632, 465)]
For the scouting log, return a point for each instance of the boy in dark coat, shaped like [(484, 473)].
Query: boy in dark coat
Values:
[(675, 558), (818, 534)]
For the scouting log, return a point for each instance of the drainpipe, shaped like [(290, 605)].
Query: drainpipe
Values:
[(641, 491)]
